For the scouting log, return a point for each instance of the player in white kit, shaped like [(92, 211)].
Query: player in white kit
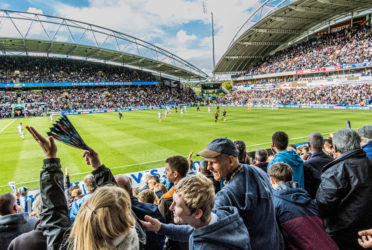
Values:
[(20, 131)]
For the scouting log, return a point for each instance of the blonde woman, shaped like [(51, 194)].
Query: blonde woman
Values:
[(104, 221)]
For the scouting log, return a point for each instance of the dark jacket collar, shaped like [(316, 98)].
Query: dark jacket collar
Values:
[(352, 153)]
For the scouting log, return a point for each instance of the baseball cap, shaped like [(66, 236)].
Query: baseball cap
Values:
[(365, 131), (219, 146)]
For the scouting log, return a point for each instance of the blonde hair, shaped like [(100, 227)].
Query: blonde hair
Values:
[(101, 219), (197, 192), (160, 186)]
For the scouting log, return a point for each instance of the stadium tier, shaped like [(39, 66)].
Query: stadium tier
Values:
[(169, 175)]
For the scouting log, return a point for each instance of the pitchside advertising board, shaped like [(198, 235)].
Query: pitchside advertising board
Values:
[(74, 84)]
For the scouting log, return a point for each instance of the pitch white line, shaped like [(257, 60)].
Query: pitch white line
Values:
[(10, 123), (125, 166)]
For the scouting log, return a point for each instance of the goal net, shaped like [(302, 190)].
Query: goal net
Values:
[(264, 103)]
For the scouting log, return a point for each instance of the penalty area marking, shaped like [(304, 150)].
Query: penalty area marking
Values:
[(10, 123)]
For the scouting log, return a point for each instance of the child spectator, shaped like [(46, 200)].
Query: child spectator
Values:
[(297, 213)]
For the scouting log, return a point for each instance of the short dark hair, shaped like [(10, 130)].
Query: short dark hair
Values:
[(261, 155), (240, 145), (7, 201), (280, 140), (203, 167), (178, 163), (281, 172), (316, 141)]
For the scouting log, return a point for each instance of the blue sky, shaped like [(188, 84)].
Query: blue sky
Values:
[(179, 26)]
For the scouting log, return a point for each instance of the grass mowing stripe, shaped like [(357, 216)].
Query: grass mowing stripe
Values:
[(10, 123), (133, 143)]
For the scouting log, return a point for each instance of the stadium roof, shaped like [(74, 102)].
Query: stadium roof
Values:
[(282, 24), (32, 33)]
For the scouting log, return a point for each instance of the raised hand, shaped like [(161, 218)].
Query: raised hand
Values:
[(49, 147), (91, 158)]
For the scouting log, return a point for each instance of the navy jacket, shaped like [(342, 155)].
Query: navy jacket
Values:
[(313, 170), (228, 232), (293, 160), (154, 241), (251, 193), (297, 215)]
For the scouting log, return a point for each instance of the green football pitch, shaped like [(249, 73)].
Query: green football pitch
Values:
[(139, 141)]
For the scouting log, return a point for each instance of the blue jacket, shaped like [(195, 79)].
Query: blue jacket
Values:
[(313, 170), (76, 206), (299, 221), (154, 241), (251, 193), (368, 149), (293, 160), (228, 232)]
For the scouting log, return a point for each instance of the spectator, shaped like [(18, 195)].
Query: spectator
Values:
[(33, 240), (146, 177), (90, 186), (203, 168), (12, 223), (261, 159), (365, 134), (240, 145), (279, 146), (344, 194), (154, 241), (314, 165), (152, 181), (160, 189), (193, 201), (297, 212), (105, 216), (176, 169), (246, 188), (147, 196), (24, 200), (328, 147)]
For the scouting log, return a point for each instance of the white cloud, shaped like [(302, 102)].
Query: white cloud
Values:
[(183, 37), (150, 20)]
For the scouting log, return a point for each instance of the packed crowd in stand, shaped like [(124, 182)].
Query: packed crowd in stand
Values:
[(54, 100), (316, 197), (352, 94), (48, 69), (347, 46)]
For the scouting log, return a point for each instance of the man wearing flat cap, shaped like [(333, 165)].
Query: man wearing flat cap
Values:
[(365, 134), (246, 188)]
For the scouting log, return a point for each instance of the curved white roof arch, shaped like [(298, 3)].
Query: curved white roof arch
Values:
[(277, 24), (28, 33)]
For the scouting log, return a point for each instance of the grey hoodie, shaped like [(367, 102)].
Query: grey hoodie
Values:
[(228, 232)]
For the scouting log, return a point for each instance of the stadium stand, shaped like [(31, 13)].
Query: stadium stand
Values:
[(359, 94), (348, 46)]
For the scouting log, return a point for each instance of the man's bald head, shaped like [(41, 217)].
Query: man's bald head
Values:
[(124, 182)]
